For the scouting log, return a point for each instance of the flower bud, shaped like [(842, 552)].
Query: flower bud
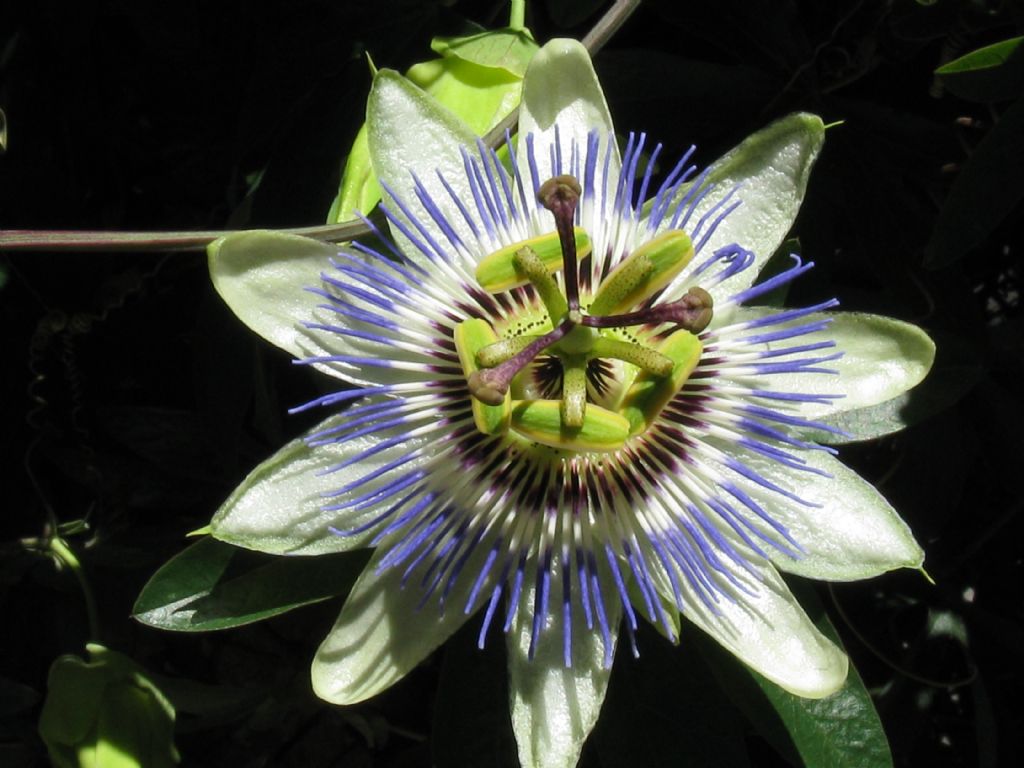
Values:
[(478, 77), (106, 712)]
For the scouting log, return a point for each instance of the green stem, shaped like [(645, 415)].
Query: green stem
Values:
[(72, 240), (60, 548), (517, 15), (609, 24)]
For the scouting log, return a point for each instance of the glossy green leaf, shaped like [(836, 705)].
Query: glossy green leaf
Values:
[(212, 585), (992, 73), (990, 56), (360, 191), (506, 49), (479, 78), (986, 191)]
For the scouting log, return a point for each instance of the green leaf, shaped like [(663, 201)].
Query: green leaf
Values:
[(985, 192), (106, 712), (506, 49), (212, 585), (992, 73), (994, 55), (835, 732)]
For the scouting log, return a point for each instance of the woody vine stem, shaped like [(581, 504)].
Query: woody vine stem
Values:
[(74, 241)]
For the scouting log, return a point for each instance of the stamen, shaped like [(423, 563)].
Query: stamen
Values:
[(497, 353), (644, 273), (491, 385), (560, 195), (530, 264), (693, 312), (574, 391), (644, 358)]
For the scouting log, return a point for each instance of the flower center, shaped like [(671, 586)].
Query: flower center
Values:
[(581, 343)]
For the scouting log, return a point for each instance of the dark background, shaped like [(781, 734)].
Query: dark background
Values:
[(132, 401)]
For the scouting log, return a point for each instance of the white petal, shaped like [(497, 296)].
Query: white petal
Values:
[(278, 508), (561, 88), (381, 635), (412, 133), (772, 166), (262, 276), (770, 632), (852, 532), (882, 358), (553, 707)]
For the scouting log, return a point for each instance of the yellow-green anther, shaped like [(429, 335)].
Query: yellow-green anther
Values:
[(502, 350), (470, 337), (529, 263), (574, 391), (649, 394), (626, 280), (499, 271), (644, 358), (541, 422), (643, 273)]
